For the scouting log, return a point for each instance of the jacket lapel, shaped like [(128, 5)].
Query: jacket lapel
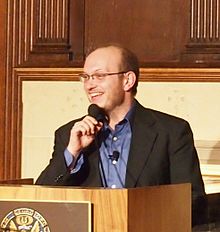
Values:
[(94, 178), (143, 138)]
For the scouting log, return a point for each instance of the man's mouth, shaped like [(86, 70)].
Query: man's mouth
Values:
[(95, 95)]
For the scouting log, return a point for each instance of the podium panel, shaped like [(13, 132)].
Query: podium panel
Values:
[(164, 208), (43, 216)]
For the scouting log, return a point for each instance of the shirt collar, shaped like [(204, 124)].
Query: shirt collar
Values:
[(130, 114), (129, 117)]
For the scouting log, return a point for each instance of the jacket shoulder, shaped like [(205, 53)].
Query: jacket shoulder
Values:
[(156, 116)]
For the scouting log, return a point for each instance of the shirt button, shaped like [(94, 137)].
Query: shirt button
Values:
[(113, 186), (115, 138)]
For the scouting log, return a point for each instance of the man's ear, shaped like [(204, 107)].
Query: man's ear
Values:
[(129, 80)]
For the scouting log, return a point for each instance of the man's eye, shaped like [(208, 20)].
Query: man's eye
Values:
[(99, 75), (85, 77)]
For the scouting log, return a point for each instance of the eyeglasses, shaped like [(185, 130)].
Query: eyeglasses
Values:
[(98, 76)]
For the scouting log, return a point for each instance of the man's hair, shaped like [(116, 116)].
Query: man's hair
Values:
[(129, 62)]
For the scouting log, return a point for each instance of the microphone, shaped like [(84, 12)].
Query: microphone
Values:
[(114, 157), (97, 112)]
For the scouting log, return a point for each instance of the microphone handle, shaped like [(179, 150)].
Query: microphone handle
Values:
[(103, 177)]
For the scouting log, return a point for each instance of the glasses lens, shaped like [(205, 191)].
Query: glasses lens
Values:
[(83, 77), (99, 76)]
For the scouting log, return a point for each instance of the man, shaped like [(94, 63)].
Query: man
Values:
[(132, 146)]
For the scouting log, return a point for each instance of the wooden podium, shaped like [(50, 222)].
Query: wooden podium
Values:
[(165, 208)]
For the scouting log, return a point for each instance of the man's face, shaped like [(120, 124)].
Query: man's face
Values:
[(107, 92)]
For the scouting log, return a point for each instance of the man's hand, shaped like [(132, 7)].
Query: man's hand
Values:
[(83, 134)]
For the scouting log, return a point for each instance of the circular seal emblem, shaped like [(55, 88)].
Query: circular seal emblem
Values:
[(24, 219)]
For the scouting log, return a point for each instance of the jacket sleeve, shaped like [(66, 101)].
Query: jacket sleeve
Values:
[(56, 169), (185, 168)]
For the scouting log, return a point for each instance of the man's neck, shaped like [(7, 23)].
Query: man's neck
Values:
[(119, 113)]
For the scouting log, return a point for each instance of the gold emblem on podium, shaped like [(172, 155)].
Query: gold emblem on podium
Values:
[(24, 219)]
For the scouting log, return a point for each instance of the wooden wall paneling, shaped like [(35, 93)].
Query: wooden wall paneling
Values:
[(3, 75), (157, 31), (28, 39), (203, 47), (77, 31), (14, 56), (180, 74), (13, 131), (162, 33), (41, 31)]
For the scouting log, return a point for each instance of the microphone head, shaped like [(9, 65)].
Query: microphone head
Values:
[(116, 155), (96, 112)]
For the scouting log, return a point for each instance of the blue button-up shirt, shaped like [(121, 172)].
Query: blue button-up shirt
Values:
[(112, 173)]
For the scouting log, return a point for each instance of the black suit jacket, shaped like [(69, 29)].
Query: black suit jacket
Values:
[(161, 152)]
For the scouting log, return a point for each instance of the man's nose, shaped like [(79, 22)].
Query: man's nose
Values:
[(90, 84)]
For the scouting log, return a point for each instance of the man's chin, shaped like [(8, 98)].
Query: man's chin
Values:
[(97, 102)]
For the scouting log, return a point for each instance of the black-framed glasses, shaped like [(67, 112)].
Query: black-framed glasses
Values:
[(98, 76)]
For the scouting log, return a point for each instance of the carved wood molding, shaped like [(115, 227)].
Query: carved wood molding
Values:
[(38, 29), (47, 74), (3, 80), (205, 21), (50, 21), (204, 30), (146, 74), (180, 75)]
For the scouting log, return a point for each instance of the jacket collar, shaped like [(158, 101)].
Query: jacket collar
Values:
[(142, 141)]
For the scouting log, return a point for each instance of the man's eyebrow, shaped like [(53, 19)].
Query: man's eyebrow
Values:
[(99, 70)]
